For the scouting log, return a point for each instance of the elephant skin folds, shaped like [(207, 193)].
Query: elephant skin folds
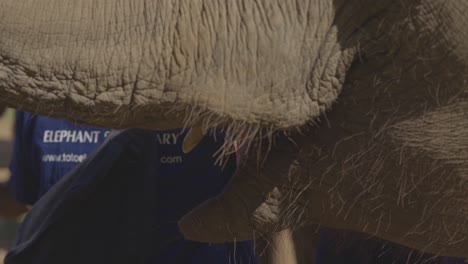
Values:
[(348, 113)]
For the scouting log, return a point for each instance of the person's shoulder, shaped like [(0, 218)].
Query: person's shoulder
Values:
[(30, 118), (21, 115), (24, 120), (45, 121)]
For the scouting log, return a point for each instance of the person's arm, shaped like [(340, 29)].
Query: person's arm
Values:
[(9, 207), (23, 181)]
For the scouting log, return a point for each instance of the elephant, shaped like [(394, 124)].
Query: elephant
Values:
[(349, 114)]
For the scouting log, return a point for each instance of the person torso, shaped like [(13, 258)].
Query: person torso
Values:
[(184, 181), (58, 146)]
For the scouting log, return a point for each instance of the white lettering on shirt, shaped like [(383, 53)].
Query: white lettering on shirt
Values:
[(71, 136), (167, 138)]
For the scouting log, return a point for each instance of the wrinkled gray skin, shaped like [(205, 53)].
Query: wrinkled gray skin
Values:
[(372, 95)]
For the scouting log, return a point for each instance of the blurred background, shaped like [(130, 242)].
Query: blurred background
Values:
[(10, 211)]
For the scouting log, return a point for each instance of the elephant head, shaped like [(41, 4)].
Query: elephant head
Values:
[(351, 114)]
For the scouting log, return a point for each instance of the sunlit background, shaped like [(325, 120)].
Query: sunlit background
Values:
[(10, 212)]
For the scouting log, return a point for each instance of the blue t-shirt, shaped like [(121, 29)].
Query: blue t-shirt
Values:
[(46, 149), (187, 180)]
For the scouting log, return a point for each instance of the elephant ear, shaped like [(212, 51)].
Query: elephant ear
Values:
[(450, 25)]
